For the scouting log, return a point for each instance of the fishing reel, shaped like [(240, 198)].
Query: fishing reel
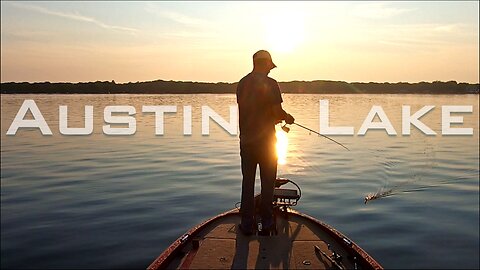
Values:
[(285, 128)]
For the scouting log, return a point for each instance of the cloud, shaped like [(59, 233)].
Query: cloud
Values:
[(74, 16), (185, 34), (181, 18), (378, 11), (193, 27), (426, 36), (177, 17), (449, 28)]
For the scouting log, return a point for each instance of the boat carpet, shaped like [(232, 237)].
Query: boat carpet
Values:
[(293, 247)]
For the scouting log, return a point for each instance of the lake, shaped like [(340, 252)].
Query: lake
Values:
[(102, 201)]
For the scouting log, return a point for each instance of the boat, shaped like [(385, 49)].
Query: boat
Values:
[(299, 241)]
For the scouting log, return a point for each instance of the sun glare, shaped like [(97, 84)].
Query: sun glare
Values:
[(284, 31), (282, 147)]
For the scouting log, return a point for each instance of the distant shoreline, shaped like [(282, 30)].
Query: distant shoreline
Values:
[(185, 87)]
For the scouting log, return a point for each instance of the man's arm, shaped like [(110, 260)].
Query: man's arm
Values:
[(278, 111), (280, 114)]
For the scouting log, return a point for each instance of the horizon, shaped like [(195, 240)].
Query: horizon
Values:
[(233, 82), (213, 42)]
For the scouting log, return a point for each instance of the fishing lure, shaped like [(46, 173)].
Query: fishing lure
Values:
[(379, 194)]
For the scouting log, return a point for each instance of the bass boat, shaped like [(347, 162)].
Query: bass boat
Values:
[(298, 241)]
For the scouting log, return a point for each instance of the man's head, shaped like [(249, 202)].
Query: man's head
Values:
[(262, 61)]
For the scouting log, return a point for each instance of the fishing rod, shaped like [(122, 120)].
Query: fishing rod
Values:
[(286, 129)]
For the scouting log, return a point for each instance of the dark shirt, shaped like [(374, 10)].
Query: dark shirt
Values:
[(256, 95)]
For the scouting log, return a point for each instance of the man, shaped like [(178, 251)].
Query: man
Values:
[(259, 103)]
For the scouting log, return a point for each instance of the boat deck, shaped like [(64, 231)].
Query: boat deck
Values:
[(220, 245)]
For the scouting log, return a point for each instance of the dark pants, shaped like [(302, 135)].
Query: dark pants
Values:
[(263, 154)]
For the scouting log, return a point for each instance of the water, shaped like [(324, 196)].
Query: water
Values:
[(103, 201)]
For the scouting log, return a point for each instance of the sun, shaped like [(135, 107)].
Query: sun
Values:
[(284, 30)]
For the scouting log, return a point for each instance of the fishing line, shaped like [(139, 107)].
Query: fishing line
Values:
[(397, 189), (388, 167), (466, 176), (312, 168), (387, 192), (296, 162), (318, 133)]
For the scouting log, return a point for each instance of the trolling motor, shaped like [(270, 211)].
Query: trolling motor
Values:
[(283, 197)]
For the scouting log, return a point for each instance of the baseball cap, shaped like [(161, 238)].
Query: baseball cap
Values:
[(263, 54)]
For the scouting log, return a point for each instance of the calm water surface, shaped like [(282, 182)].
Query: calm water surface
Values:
[(103, 201)]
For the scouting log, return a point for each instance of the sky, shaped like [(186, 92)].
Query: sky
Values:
[(214, 41)]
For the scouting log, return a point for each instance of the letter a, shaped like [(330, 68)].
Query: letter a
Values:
[(383, 124), (37, 122)]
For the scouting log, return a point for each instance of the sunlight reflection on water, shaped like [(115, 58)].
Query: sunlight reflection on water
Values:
[(282, 147)]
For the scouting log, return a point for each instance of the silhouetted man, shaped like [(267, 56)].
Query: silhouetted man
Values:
[(259, 103)]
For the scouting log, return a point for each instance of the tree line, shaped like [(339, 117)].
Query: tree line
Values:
[(186, 87)]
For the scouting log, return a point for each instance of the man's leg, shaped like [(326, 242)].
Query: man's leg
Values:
[(268, 174), (249, 166)]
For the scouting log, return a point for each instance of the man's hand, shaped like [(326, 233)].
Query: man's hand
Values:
[(289, 119)]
